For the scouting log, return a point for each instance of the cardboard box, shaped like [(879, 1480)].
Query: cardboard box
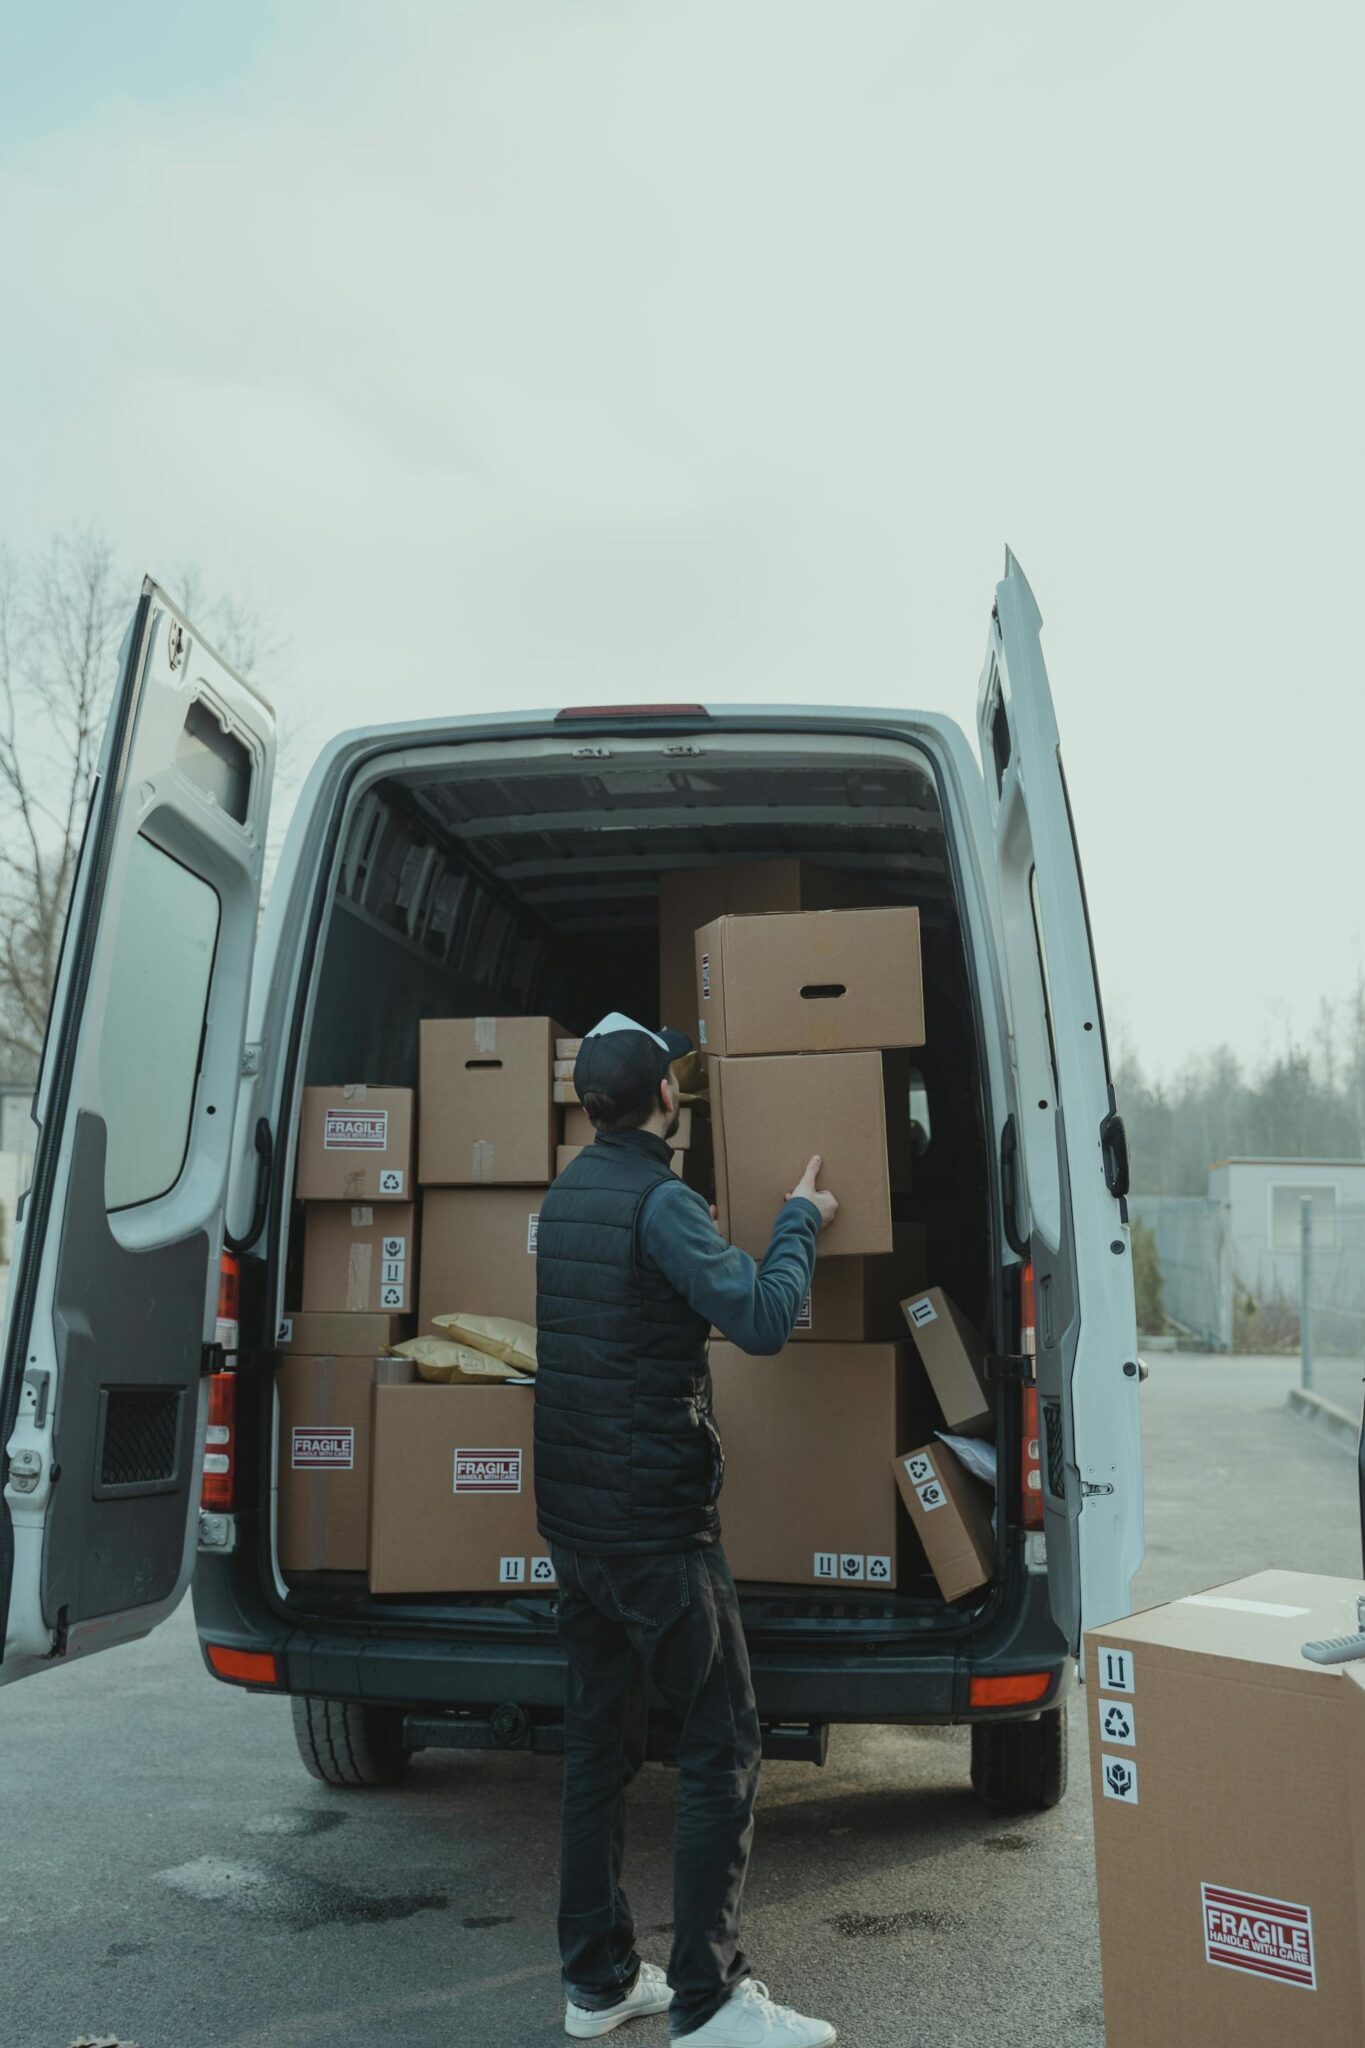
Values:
[(478, 1253), (564, 1153), (769, 1115), (338, 1333), (952, 1514), (812, 981), (484, 1091), (852, 1301), (579, 1128), (568, 1048), (809, 1498), (564, 1092), (953, 1354), (323, 1513), (359, 1257), (355, 1145), (1228, 1780), (692, 897), (453, 1505)]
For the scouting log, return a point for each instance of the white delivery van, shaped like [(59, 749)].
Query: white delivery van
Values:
[(502, 864)]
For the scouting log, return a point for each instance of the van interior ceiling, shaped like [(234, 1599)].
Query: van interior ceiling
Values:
[(532, 890), (529, 885)]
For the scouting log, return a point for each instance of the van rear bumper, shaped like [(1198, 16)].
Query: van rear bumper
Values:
[(843, 1681)]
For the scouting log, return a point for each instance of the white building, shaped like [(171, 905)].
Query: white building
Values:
[(1257, 1205)]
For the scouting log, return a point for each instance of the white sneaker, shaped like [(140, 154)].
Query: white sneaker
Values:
[(749, 2019), (649, 1993)]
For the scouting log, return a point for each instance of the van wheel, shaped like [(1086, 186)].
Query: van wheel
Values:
[(1020, 1766), (345, 1744)]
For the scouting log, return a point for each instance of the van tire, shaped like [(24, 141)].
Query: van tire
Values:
[(345, 1744), (1020, 1766)]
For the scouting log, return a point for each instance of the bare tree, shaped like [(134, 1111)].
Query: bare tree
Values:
[(61, 617)]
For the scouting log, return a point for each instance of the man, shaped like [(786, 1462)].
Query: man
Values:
[(631, 1276)]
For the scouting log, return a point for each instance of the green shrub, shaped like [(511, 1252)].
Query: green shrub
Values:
[(1147, 1281)]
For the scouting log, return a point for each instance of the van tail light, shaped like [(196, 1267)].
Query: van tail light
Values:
[(1030, 1464), (1022, 1689), (218, 1492), (228, 1332)]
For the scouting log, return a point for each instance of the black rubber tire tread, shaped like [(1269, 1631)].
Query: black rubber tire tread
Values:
[(1020, 1766), (345, 1744)]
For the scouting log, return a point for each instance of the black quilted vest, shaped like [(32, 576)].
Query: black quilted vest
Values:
[(627, 1457)]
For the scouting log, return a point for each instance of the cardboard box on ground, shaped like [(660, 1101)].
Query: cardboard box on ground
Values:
[(486, 1117), (691, 897), (453, 1491), (1228, 1783), (768, 1115), (324, 1464), (809, 1498), (478, 1252), (355, 1144), (815, 981), (359, 1257)]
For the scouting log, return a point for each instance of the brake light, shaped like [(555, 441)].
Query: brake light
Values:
[(633, 711), (1023, 1690), (1030, 1463), (249, 1667), (228, 1332), (218, 1491)]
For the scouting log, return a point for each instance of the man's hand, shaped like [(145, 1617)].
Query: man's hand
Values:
[(823, 1200)]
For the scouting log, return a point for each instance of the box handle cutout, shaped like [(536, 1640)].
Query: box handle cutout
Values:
[(818, 991), (483, 1063)]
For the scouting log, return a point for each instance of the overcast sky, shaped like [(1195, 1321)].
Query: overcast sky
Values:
[(549, 353)]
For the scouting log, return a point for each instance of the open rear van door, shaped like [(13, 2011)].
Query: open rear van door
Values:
[(1069, 1141), (113, 1292)]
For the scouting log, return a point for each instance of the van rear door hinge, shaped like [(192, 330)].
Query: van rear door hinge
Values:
[(1010, 1370)]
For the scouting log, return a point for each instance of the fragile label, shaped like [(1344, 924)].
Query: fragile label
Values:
[(804, 1319), (1268, 1937), (394, 1248), (921, 1312), (850, 1565), (1115, 1669), (1118, 1775), (532, 1230), (391, 1180), (1118, 1721), (706, 977), (323, 1450), (488, 1471), (350, 1130)]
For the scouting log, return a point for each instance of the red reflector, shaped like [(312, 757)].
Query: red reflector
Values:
[(633, 711), (1022, 1691), (252, 1667), (218, 1490), (229, 1288)]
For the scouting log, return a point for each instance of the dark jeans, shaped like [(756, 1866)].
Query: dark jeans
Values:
[(675, 1621)]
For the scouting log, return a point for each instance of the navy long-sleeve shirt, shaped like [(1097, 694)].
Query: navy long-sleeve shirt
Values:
[(754, 1305)]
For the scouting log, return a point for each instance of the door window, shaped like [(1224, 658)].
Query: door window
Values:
[(153, 1025)]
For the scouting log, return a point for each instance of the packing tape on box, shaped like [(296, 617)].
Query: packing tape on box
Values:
[(356, 1091), (481, 1160), (359, 1277), (485, 1034), (362, 1216), (355, 1183)]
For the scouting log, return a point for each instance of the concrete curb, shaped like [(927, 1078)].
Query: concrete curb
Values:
[(1328, 1415)]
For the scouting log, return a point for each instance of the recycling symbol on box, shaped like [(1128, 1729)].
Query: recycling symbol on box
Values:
[(390, 1181), (878, 1568), (1118, 1723), (542, 1570)]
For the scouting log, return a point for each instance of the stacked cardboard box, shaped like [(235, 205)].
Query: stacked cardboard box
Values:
[(354, 1178)]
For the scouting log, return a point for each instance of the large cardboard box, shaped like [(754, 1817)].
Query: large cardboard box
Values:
[(1228, 1780), (323, 1514), (769, 1115), (355, 1145), (359, 1257), (485, 1113), (340, 1333), (453, 1506), (812, 981), (478, 1253), (691, 897), (852, 1301), (953, 1516), (953, 1354), (809, 1498)]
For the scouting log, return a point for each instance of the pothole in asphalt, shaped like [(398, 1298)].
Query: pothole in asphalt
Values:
[(290, 1898)]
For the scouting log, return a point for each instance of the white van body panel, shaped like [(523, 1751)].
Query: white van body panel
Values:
[(166, 894), (1087, 1352)]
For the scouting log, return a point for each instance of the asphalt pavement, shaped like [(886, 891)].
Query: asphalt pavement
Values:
[(169, 1876)]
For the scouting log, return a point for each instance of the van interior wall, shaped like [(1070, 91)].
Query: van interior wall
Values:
[(384, 969)]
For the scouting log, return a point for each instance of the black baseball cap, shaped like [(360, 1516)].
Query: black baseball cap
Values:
[(621, 1060)]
